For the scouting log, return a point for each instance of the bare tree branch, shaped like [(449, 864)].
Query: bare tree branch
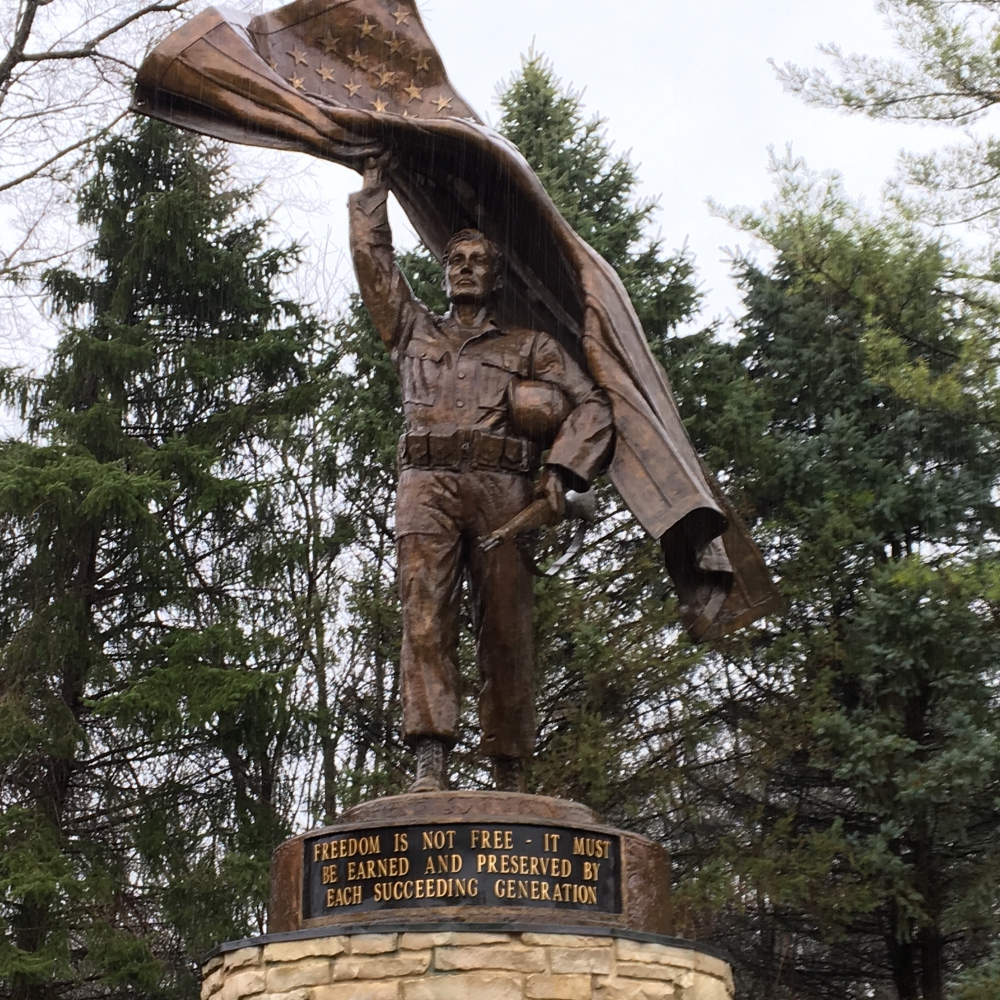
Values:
[(66, 74), (60, 155), (22, 33), (89, 48)]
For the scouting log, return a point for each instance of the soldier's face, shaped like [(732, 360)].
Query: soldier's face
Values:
[(469, 275)]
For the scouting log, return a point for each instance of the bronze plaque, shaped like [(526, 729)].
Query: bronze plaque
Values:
[(512, 865)]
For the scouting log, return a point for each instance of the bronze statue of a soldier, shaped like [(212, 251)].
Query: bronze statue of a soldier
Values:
[(467, 461), (348, 80)]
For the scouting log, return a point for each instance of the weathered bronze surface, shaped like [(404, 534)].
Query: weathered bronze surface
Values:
[(465, 472), (541, 349), (465, 807), (473, 856), (350, 79)]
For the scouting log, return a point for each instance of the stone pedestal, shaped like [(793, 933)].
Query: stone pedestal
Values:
[(468, 896), (433, 964)]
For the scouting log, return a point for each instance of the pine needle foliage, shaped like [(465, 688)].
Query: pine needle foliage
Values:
[(594, 188), (846, 810), (946, 72), (144, 720)]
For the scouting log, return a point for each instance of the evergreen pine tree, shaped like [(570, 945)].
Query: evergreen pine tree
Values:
[(147, 709), (947, 72), (844, 817), (595, 190)]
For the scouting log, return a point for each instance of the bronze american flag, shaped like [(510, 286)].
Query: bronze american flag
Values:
[(352, 55), (368, 57)]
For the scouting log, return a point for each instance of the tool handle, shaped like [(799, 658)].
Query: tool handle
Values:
[(533, 516)]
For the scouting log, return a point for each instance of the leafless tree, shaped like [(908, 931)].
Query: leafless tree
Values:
[(66, 72)]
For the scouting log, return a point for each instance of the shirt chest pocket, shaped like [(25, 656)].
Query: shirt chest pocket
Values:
[(421, 372), (494, 376)]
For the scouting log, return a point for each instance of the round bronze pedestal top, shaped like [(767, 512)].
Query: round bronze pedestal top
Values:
[(477, 806)]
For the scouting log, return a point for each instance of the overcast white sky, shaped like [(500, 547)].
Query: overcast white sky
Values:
[(685, 85)]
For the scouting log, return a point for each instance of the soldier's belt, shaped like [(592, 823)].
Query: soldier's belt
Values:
[(464, 450)]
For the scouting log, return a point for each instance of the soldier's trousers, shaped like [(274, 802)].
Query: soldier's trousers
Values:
[(441, 517)]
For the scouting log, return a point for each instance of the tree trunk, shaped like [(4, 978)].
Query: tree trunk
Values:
[(932, 963), (903, 956), (56, 778)]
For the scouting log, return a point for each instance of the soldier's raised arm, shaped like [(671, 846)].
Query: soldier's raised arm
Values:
[(383, 287)]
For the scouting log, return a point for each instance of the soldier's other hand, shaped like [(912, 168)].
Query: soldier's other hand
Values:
[(550, 486)]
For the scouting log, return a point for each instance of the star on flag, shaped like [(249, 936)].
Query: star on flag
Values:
[(381, 58)]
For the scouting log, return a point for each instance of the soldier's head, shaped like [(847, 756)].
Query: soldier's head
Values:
[(473, 267)]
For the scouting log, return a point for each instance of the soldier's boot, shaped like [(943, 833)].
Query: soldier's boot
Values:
[(508, 774), (432, 773)]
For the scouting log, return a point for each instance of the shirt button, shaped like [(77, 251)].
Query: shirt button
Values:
[(460, 404), (461, 374)]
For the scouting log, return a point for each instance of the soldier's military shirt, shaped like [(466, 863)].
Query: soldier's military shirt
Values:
[(455, 377)]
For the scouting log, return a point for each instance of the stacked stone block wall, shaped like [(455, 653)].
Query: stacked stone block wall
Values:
[(466, 966)]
